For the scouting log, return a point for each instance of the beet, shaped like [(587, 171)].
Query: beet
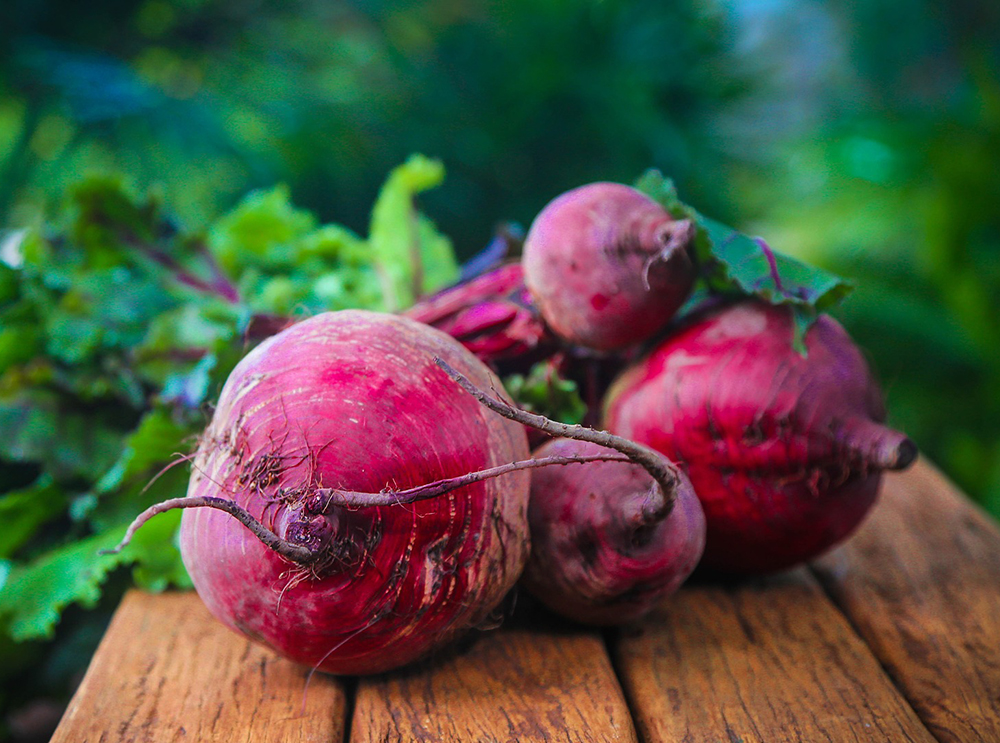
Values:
[(603, 552), (785, 451), (337, 411), (607, 266)]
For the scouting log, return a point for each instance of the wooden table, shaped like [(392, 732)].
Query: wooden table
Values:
[(893, 637)]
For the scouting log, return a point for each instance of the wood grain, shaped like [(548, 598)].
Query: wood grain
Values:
[(167, 671), (921, 582), (514, 685), (772, 660)]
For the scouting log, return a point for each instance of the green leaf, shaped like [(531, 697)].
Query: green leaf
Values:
[(36, 426), (22, 512), (18, 345), (543, 391), (411, 256), (151, 469), (158, 563), (116, 330), (36, 594), (106, 214), (663, 190), (736, 264), (8, 282), (749, 266), (260, 231), (155, 442)]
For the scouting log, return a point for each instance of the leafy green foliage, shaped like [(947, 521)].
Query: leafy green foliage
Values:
[(119, 328), (731, 263), (36, 594), (543, 390), (24, 511)]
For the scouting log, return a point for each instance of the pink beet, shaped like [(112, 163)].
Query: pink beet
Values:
[(784, 451), (607, 266), (323, 440), (604, 550)]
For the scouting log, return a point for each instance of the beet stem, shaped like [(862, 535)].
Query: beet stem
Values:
[(294, 552), (355, 499), (661, 469), (772, 264)]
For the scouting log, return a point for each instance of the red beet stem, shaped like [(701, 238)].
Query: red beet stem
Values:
[(661, 469)]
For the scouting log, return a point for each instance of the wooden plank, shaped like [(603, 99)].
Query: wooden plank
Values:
[(770, 660), (921, 582), (515, 685), (167, 671)]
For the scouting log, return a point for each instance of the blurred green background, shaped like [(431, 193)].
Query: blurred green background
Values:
[(864, 137)]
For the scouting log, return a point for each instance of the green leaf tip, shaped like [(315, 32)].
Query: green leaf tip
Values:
[(411, 257), (738, 265)]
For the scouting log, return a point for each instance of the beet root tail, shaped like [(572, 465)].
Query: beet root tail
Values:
[(879, 446)]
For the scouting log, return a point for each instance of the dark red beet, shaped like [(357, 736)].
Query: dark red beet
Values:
[(784, 451), (603, 552), (607, 266)]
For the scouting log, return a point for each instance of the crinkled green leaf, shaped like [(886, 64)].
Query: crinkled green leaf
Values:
[(260, 231), (23, 511), (37, 427), (286, 265), (334, 242), (734, 263), (412, 257), (36, 594), (105, 214), (545, 392), (157, 439)]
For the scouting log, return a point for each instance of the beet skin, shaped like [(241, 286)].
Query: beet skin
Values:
[(784, 451), (600, 554), (353, 400)]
